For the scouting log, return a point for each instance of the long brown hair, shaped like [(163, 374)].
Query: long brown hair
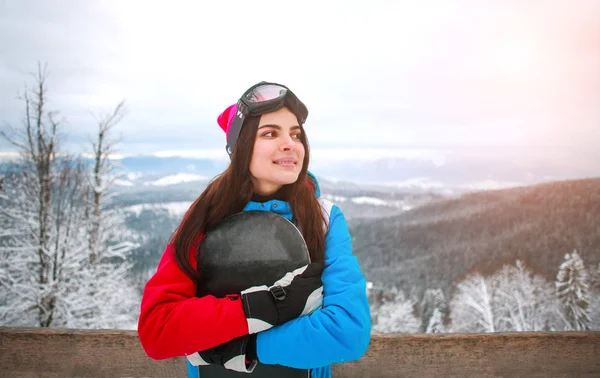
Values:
[(229, 192)]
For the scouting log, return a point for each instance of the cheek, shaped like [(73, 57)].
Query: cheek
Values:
[(260, 158), (261, 151), (301, 151)]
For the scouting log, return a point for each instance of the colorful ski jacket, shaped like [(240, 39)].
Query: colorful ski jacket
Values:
[(174, 322)]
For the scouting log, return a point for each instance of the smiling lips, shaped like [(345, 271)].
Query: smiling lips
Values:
[(286, 162)]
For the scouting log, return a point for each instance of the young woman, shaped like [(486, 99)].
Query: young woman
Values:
[(269, 155)]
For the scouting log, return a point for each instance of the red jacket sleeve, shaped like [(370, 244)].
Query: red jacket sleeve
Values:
[(173, 322)]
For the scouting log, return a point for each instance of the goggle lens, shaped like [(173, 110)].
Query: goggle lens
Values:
[(265, 92)]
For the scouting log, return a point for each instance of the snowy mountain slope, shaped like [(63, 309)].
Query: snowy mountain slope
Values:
[(434, 245)]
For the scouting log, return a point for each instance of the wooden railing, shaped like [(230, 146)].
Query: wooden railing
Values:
[(49, 353)]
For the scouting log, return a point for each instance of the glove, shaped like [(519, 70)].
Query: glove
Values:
[(297, 293), (237, 355)]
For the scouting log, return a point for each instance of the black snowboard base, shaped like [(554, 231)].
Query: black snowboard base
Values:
[(262, 371), (247, 249)]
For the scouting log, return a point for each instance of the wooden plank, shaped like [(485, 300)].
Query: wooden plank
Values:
[(54, 353), (50, 353), (535, 354)]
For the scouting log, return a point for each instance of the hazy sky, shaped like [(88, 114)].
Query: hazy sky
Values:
[(388, 74)]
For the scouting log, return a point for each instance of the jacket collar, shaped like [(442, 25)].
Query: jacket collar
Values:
[(275, 204), (315, 184)]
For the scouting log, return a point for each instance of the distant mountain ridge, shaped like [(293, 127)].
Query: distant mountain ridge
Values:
[(452, 171), (456, 173), (435, 245)]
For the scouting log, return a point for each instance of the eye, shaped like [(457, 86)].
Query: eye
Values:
[(296, 136), (269, 134)]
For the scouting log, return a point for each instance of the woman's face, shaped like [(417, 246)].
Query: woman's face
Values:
[(278, 152)]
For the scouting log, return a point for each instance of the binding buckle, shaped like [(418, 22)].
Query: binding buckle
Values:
[(277, 292)]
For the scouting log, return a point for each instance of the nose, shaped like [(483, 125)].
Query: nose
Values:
[(288, 143)]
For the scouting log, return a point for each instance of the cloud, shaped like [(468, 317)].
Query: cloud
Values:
[(376, 74)]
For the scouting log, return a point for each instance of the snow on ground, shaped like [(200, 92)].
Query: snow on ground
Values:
[(119, 182), (404, 206), (369, 201), (334, 198), (426, 183), (175, 209), (418, 182), (177, 179)]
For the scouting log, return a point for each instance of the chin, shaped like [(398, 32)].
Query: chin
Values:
[(286, 179), (290, 181)]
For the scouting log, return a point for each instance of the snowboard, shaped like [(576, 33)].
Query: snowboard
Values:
[(247, 249)]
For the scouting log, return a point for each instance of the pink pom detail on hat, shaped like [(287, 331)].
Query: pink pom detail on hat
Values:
[(224, 120)]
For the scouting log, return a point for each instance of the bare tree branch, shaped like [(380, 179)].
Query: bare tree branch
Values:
[(51, 209)]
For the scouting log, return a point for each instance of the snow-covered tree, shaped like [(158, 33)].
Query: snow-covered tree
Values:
[(433, 300), (522, 301), (512, 299), (109, 281), (471, 308), (35, 259), (595, 299), (46, 273), (573, 292), (397, 315), (595, 311), (436, 323), (43, 240)]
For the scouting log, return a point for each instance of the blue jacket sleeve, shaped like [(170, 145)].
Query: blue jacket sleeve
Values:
[(338, 332)]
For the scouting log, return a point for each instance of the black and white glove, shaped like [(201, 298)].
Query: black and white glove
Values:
[(237, 355), (297, 293)]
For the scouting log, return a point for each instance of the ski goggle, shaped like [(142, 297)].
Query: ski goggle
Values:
[(259, 99)]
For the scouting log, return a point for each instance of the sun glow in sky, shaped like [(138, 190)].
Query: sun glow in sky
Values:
[(518, 59)]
